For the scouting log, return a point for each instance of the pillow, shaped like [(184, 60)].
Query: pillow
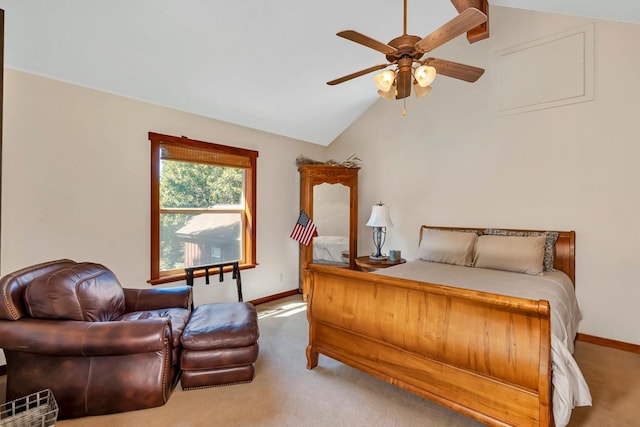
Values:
[(521, 254), (448, 247), (549, 245)]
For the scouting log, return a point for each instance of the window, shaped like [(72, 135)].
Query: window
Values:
[(203, 203)]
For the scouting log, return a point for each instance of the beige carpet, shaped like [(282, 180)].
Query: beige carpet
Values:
[(285, 393)]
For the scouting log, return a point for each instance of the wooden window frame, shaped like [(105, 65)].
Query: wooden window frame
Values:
[(249, 229)]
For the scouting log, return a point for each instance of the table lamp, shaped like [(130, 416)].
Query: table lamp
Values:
[(379, 220)]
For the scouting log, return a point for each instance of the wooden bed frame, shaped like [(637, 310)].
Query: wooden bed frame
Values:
[(487, 356)]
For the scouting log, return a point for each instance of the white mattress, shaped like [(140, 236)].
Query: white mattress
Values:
[(330, 249), (569, 386)]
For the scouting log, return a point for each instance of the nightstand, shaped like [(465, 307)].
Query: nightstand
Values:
[(368, 264)]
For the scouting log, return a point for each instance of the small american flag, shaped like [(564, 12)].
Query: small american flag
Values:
[(304, 229)]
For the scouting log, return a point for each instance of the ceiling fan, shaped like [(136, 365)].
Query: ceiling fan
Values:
[(407, 49)]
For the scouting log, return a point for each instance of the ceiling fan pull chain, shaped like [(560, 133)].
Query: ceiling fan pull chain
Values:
[(404, 107)]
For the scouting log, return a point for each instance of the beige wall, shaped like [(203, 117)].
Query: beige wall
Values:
[(76, 183), (452, 161), (76, 171)]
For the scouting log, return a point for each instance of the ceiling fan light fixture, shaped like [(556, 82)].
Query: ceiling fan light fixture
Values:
[(425, 75), (389, 95), (404, 53), (421, 91), (384, 80)]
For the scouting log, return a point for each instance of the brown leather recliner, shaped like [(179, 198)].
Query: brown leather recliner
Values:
[(72, 328)]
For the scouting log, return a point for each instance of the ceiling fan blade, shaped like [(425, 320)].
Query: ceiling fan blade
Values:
[(454, 69), (367, 41), (357, 74), (461, 5), (468, 19)]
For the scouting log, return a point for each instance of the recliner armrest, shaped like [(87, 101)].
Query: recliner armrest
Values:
[(85, 339), (157, 298)]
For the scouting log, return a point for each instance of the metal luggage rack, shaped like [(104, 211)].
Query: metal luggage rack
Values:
[(235, 269)]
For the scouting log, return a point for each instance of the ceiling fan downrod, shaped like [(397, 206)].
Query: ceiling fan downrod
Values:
[(405, 18)]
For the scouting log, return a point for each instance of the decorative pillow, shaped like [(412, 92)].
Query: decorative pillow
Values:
[(549, 245), (521, 254), (457, 230), (448, 247)]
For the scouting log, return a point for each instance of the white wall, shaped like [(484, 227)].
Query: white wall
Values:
[(452, 161), (76, 183), (76, 171)]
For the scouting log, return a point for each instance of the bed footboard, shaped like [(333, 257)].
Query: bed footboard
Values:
[(484, 355)]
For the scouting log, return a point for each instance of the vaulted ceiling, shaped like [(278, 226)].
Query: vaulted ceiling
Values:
[(260, 64)]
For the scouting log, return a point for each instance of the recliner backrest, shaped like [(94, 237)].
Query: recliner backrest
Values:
[(12, 287), (84, 291)]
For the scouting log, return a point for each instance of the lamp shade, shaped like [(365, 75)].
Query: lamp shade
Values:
[(379, 216), (421, 91), (425, 75), (384, 80), (388, 95)]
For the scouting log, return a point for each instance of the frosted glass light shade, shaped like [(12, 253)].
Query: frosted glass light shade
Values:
[(421, 91), (424, 75), (384, 80), (388, 95), (379, 217)]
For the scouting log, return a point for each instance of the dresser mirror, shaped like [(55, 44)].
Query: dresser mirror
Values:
[(329, 195)]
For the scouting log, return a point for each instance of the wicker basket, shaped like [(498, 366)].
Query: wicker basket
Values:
[(35, 410)]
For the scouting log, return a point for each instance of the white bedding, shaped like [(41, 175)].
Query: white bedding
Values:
[(569, 386), (330, 249)]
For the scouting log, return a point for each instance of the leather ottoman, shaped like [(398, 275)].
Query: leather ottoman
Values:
[(219, 345)]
